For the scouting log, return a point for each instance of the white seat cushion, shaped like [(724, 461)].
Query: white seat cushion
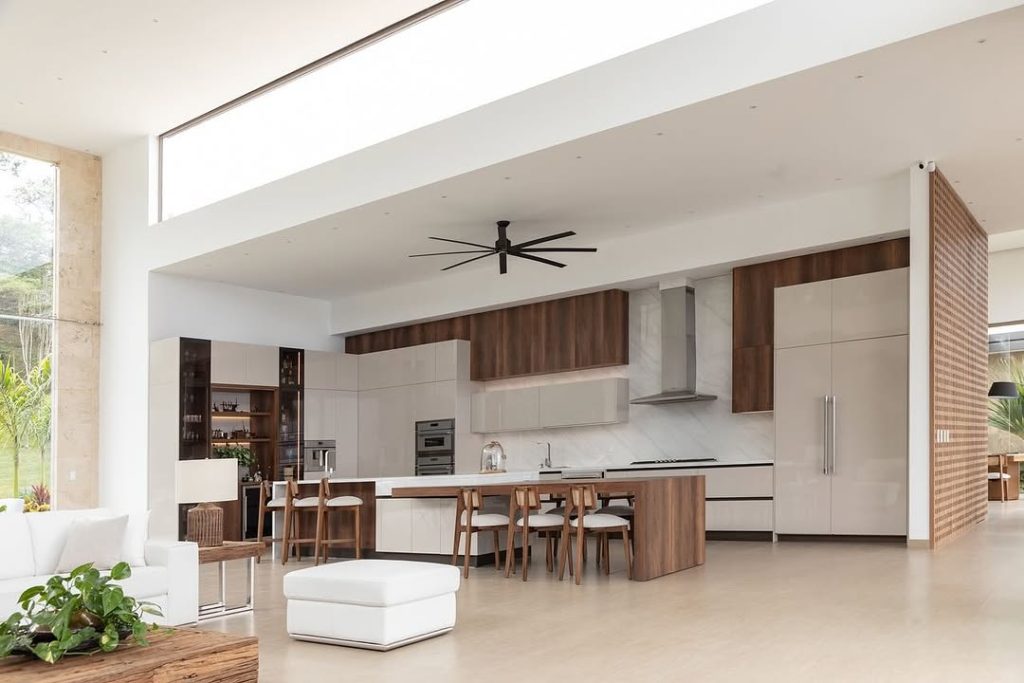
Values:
[(997, 475), (543, 520), (145, 582), (308, 502), (486, 520), (596, 521), (16, 558), (344, 501), (372, 583), (620, 510), (275, 503), (50, 533)]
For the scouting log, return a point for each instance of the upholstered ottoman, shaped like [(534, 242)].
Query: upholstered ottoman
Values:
[(375, 604)]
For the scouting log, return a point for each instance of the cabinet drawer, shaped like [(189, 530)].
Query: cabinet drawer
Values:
[(738, 515), (739, 482)]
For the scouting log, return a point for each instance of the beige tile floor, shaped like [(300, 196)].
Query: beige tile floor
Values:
[(753, 612)]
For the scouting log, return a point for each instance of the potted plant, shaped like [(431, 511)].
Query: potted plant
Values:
[(240, 453), (80, 613)]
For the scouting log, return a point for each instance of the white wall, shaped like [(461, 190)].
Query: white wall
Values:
[(779, 229), (685, 430), (919, 439), (184, 307), (1006, 286)]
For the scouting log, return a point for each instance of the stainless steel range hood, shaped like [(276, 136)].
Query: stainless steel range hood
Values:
[(678, 350)]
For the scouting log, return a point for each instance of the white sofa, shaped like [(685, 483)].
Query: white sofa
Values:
[(163, 572)]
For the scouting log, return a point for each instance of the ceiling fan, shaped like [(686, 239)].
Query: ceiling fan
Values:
[(504, 248)]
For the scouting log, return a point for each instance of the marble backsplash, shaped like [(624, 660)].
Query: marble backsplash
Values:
[(683, 430)]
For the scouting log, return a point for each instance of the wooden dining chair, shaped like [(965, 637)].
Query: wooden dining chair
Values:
[(525, 517), (582, 499), (327, 504), (1001, 463), (294, 506), (470, 519), (267, 504)]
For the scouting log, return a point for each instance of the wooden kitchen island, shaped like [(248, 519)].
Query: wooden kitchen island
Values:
[(668, 523)]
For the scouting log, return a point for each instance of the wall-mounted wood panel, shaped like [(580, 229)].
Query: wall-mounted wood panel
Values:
[(959, 378), (574, 333), (753, 308)]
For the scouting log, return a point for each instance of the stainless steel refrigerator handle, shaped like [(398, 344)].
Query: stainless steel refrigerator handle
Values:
[(824, 455), (832, 434)]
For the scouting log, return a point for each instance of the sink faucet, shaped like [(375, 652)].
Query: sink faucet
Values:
[(547, 458)]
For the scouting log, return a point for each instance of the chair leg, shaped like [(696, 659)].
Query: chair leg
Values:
[(510, 552), (549, 558), (465, 554), (564, 552), (581, 546), (526, 552), (628, 551), (259, 528), (606, 553), (497, 551), (455, 545), (285, 542), (318, 538), (359, 533)]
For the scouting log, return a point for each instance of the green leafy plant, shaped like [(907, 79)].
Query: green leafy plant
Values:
[(81, 613), (1008, 414), (242, 454)]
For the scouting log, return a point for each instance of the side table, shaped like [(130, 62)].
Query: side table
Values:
[(231, 550)]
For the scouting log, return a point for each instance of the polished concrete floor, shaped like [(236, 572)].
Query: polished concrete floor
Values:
[(753, 612)]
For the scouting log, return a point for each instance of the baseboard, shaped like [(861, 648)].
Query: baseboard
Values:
[(738, 536), (919, 544), (826, 538)]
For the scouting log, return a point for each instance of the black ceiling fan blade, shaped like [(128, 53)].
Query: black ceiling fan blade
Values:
[(469, 244), (538, 259), (475, 258), (502, 262), (446, 253), (549, 238), (542, 249)]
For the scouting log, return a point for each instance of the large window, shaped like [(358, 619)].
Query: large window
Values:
[(27, 228)]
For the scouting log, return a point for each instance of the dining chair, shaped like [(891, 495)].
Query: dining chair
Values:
[(267, 504), (525, 517), (1001, 474), (582, 499), (470, 519), (294, 506), (327, 504)]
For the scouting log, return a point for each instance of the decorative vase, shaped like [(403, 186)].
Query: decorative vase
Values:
[(492, 458)]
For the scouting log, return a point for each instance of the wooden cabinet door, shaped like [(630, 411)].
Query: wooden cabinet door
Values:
[(869, 471), (803, 314), (872, 305), (803, 496)]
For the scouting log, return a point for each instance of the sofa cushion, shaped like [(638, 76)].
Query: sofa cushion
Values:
[(145, 582), (135, 535), (16, 557), (50, 532), (99, 541), (12, 505), (374, 583), (11, 590)]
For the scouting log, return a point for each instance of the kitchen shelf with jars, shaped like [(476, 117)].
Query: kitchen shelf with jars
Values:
[(242, 426)]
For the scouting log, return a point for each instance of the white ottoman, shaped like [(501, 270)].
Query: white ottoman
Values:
[(375, 604)]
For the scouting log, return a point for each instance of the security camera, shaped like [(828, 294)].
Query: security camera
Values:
[(927, 166)]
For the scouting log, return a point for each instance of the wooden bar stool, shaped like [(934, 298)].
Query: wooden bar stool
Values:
[(525, 499), (326, 504), (294, 506), (581, 499), (469, 519), (1001, 463), (267, 504)]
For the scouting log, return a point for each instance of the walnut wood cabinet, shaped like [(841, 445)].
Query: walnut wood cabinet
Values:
[(753, 308), (574, 333)]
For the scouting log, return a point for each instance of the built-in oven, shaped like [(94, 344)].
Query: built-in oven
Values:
[(435, 447)]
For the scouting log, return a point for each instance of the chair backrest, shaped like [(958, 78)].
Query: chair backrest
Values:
[(325, 489), (583, 497), (526, 498), (292, 491), (470, 499)]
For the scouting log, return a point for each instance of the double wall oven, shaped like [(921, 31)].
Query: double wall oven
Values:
[(435, 447)]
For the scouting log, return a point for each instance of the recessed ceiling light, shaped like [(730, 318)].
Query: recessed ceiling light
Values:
[(956, 182), (982, 41), (21, 103), (106, 52), (1020, 139), (659, 134), (156, 21), (60, 78), (444, 196), (334, 228), (970, 202), (579, 156), (245, 253), (858, 77), (838, 179), (386, 213), (753, 106), (760, 196), (508, 177)]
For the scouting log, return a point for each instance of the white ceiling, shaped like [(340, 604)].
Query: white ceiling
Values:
[(90, 75), (949, 96)]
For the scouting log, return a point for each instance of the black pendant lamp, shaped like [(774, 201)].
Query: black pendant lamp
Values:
[(1003, 390)]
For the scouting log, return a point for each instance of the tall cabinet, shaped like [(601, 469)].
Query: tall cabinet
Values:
[(841, 406)]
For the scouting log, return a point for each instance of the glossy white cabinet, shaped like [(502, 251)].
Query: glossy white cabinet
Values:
[(602, 401), (387, 441), (738, 515), (803, 494), (331, 370), (398, 367), (424, 526), (244, 364), (804, 313), (871, 305)]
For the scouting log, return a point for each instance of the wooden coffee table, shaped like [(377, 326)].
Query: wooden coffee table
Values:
[(173, 655), (231, 550)]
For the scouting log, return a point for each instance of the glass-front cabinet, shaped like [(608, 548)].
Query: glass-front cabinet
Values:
[(291, 406)]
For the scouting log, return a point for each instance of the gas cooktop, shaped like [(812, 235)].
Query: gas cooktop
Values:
[(671, 461)]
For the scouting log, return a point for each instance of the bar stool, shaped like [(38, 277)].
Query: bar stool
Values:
[(327, 503), (582, 499), (524, 500), (1001, 475), (469, 519), (267, 503), (294, 505)]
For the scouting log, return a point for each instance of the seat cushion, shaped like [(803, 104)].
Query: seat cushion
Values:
[(308, 502), (373, 583), (344, 501), (145, 582), (618, 510), (543, 520), (596, 521), (487, 519), (275, 503), (16, 560), (997, 475)]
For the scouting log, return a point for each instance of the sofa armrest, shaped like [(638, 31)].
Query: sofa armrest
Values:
[(182, 562)]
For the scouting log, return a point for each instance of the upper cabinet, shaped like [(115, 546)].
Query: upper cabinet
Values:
[(753, 321), (399, 367), (574, 333), (803, 314), (244, 364), (573, 404), (331, 370)]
